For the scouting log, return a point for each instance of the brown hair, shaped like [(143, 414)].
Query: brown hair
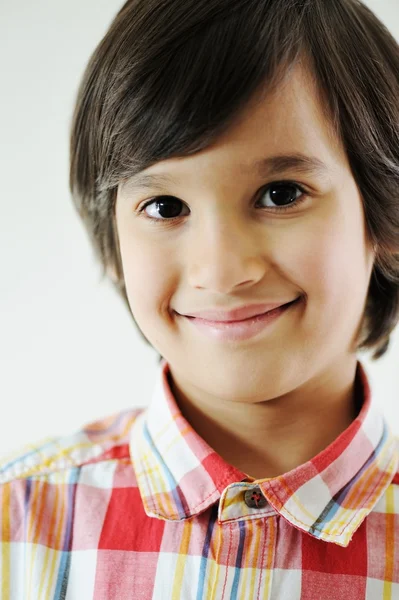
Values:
[(169, 77)]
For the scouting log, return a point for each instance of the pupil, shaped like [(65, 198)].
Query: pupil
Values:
[(168, 208), (279, 194)]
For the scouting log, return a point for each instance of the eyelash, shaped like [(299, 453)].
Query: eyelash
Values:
[(289, 207)]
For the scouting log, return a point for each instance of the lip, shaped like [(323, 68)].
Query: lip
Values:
[(240, 330), (236, 315)]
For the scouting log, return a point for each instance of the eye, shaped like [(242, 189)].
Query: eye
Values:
[(168, 207), (284, 194)]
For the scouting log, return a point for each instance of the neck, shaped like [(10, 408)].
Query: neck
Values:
[(266, 439)]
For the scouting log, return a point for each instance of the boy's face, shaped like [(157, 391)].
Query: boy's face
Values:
[(230, 248)]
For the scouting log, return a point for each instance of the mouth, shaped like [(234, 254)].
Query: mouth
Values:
[(239, 331), (269, 312)]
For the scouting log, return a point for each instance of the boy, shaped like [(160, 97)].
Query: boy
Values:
[(262, 467)]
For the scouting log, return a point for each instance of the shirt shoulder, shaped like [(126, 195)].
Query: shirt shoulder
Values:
[(100, 440)]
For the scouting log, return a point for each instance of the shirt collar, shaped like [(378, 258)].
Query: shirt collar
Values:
[(179, 475)]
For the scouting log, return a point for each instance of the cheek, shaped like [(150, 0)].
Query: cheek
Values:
[(148, 274), (331, 267)]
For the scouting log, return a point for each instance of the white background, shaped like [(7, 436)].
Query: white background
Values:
[(69, 351)]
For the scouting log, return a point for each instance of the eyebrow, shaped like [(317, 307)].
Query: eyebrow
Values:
[(265, 167)]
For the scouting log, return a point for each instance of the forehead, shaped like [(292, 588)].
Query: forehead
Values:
[(293, 116), (284, 130)]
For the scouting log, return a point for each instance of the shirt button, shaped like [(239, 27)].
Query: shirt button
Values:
[(254, 498)]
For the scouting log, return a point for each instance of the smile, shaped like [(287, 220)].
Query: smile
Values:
[(240, 330)]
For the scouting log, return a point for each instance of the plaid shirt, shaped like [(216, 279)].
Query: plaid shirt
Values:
[(137, 506)]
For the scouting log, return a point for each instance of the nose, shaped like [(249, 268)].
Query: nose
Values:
[(224, 256)]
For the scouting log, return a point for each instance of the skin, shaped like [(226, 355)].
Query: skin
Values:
[(270, 403)]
